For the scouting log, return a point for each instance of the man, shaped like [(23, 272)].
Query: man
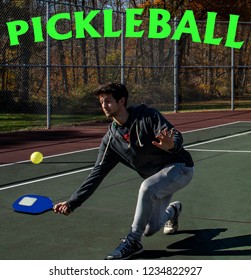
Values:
[(142, 139)]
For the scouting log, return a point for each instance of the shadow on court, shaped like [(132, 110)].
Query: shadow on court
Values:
[(201, 243)]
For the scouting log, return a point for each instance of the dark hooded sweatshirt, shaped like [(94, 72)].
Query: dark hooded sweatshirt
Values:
[(134, 149)]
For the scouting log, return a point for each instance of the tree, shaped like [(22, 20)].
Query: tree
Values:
[(222, 7)]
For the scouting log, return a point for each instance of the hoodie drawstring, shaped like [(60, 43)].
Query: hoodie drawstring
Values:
[(137, 132), (106, 148), (129, 145)]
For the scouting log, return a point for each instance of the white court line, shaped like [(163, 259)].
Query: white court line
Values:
[(96, 148), (218, 139), (220, 151), (44, 179), (87, 169), (211, 127), (52, 156)]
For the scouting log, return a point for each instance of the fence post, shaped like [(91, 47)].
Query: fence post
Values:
[(48, 68), (232, 80), (122, 78), (175, 71)]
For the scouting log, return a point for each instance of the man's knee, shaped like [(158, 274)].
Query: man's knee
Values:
[(149, 231), (146, 190)]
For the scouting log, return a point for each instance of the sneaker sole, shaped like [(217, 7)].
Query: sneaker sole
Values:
[(136, 253), (173, 230)]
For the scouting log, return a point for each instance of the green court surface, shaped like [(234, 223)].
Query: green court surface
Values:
[(215, 223)]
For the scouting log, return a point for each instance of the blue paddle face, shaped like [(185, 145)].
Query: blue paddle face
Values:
[(32, 204)]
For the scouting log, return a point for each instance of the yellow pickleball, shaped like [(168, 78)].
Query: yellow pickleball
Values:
[(36, 157)]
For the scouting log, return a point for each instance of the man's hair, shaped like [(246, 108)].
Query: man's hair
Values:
[(117, 90)]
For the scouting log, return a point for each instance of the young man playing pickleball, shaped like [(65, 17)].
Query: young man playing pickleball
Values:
[(142, 139)]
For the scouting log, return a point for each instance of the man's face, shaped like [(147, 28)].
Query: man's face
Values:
[(110, 106)]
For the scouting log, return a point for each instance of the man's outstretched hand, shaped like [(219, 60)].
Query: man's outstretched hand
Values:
[(166, 141)]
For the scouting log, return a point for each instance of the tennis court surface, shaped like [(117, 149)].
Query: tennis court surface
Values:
[(215, 223)]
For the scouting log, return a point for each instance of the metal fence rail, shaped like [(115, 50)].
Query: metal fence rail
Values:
[(56, 78)]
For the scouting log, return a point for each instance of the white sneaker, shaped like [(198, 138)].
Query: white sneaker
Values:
[(172, 225)]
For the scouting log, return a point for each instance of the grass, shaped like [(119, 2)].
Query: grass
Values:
[(216, 105), (15, 122)]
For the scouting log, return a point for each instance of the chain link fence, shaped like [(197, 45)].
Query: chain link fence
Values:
[(51, 83)]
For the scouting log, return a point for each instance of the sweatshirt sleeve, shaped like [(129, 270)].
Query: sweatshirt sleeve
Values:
[(159, 123), (104, 164)]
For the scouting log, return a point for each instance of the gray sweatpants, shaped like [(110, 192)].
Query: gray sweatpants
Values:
[(155, 194)]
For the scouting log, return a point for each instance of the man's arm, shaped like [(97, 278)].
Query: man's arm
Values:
[(91, 183)]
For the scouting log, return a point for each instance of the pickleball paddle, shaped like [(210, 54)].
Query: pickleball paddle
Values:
[(32, 204)]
